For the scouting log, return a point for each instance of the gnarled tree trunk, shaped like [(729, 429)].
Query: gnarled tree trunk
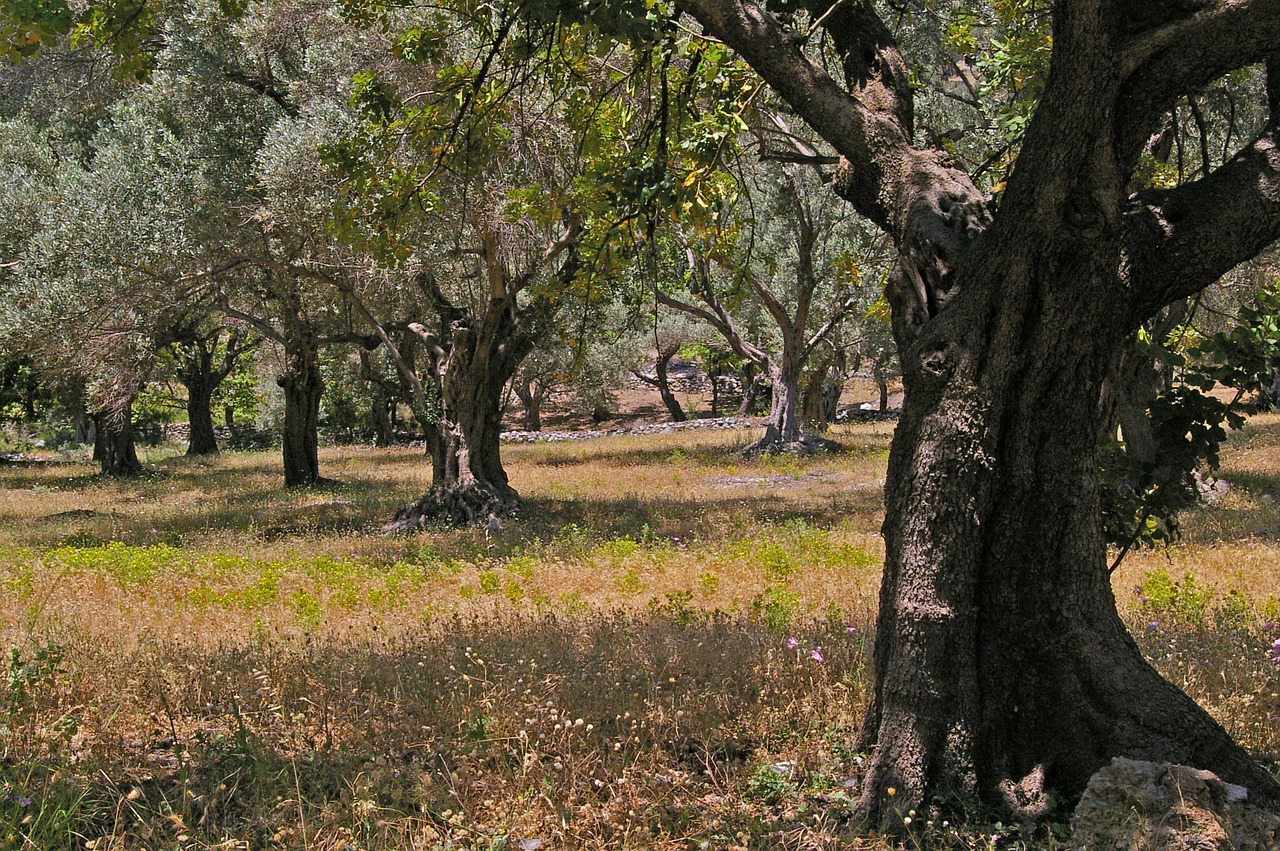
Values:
[(662, 382), (201, 372), (303, 386), (203, 441), (113, 445), (531, 394), (1003, 669), (470, 484), (783, 431), (472, 362)]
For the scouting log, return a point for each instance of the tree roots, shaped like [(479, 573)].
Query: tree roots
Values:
[(470, 504), (807, 444)]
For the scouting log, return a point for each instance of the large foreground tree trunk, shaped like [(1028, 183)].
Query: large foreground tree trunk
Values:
[(1002, 666), (303, 386), (113, 446)]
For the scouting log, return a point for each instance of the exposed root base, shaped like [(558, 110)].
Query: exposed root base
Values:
[(461, 505), (319, 483), (808, 444)]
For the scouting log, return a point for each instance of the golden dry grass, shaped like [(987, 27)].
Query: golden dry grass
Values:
[(237, 666)]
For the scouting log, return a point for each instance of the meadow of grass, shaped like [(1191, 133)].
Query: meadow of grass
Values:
[(669, 649)]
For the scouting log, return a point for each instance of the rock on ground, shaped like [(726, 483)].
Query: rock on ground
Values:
[(1146, 806)]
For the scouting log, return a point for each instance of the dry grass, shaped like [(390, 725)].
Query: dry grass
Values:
[(231, 665)]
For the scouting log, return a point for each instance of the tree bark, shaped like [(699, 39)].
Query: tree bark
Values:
[(201, 375), (782, 429), (470, 484), (303, 386), (1002, 668), (113, 445), (882, 385), (472, 369), (203, 440), (380, 411), (749, 389), (531, 393), (662, 382)]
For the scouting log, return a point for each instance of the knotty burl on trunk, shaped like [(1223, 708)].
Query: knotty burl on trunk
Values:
[(1002, 668)]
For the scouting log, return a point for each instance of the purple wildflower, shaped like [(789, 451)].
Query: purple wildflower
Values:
[(1153, 625), (816, 655), (792, 644), (24, 801)]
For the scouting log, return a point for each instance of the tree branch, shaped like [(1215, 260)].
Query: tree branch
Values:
[(263, 326), (1186, 54), (1179, 241), (929, 206)]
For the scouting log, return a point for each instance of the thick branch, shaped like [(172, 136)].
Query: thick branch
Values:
[(929, 206), (836, 318), (265, 328), (266, 87), (1187, 54), (740, 347), (1178, 242)]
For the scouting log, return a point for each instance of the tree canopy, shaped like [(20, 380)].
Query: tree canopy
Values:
[(1017, 156)]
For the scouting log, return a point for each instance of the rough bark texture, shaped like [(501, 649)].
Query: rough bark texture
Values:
[(473, 359), (470, 484), (1002, 666), (113, 445), (203, 440), (302, 385)]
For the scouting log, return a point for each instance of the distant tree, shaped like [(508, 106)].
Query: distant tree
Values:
[(204, 355), (793, 264)]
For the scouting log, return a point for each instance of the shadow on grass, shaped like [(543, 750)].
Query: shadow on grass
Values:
[(538, 725)]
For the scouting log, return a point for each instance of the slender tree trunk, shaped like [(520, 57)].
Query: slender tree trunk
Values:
[(882, 384), (663, 383), (382, 404), (113, 445), (302, 385), (749, 390), (86, 431), (383, 424)]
